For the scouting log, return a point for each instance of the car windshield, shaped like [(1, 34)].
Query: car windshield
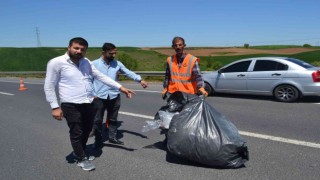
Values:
[(300, 63)]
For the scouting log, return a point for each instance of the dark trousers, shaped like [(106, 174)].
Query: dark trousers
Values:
[(80, 120), (112, 106)]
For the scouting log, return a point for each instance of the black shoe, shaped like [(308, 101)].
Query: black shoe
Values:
[(97, 145), (115, 141)]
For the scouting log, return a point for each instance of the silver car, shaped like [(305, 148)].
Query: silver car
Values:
[(287, 79)]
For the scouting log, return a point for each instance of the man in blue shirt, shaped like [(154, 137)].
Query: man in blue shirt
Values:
[(108, 98)]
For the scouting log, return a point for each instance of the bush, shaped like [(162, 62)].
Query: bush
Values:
[(316, 63), (209, 63), (246, 46), (216, 65), (213, 65), (306, 45), (128, 61)]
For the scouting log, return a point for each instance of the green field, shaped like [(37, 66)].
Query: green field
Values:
[(35, 59)]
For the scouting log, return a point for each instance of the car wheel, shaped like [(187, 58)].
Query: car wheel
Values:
[(208, 88), (286, 93)]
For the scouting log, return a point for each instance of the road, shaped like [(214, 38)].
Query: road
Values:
[(283, 139)]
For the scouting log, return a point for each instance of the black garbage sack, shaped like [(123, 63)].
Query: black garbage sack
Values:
[(201, 134), (163, 117), (162, 120)]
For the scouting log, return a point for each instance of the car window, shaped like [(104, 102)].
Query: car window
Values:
[(300, 63), (268, 65), (238, 67)]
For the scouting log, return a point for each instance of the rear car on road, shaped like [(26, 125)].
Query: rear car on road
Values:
[(287, 79)]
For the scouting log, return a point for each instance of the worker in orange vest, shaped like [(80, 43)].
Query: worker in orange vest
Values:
[(182, 72)]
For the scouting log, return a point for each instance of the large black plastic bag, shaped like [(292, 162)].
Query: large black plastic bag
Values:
[(201, 134), (175, 104), (163, 117)]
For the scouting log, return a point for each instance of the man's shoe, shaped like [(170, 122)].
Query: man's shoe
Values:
[(90, 158), (116, 141), (86, 165)]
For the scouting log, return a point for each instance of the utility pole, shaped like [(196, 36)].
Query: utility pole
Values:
[(38, 37)]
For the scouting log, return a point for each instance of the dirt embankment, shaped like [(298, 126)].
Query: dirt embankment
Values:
[(232, 51)]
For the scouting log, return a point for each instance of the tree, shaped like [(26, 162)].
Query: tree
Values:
[(128, 61), (306, 45)]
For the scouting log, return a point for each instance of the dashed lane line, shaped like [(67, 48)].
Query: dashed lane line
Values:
[(249, 134), (146, 91), (4, 93)]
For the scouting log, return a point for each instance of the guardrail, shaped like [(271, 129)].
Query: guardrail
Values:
[(43, 73), (142, 73)]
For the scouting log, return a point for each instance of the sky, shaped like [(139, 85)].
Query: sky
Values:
[(154, 23)]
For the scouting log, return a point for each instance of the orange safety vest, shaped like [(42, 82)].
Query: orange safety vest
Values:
[(181, 77)]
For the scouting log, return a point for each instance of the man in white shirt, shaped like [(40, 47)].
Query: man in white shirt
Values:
[(71, 73)]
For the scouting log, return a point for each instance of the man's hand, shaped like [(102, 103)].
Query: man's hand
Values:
[(203, 91), (126, 91), (143, 83), (57, 113), (164, 93)]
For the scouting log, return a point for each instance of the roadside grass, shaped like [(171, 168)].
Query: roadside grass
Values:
[(274, 47), (280, 47), (26, 59), (311, 57), (148, 60), (35, 59)]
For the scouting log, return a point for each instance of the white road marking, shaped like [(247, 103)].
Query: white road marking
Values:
[(135, 115), (280, 139), (9, 94), (245, 133), (146, 91)]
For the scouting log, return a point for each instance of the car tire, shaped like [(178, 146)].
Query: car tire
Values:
[(286, 93), (208, 88)]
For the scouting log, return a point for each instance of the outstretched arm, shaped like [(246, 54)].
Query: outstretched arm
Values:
[(127, 92)]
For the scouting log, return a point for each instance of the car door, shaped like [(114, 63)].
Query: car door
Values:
[(233, 78), (265, 75)]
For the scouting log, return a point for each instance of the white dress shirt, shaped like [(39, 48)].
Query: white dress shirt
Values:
[(74, 83)]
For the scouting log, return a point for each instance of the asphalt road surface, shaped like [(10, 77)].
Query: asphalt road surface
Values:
[(283, 139)]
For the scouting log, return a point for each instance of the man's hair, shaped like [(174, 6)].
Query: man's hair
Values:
[(79, 40), (108, 47), (175, 39)]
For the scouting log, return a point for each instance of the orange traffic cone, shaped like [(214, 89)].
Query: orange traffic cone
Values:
[(22, 88)]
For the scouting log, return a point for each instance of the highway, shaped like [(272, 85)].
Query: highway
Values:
[(282, 139)]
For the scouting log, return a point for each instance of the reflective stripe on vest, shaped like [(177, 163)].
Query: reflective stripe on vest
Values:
[(183, 81), (181, 76), (188, 74)]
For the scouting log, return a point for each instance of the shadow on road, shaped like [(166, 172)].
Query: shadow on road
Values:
[(121, 132), (171, 158)]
